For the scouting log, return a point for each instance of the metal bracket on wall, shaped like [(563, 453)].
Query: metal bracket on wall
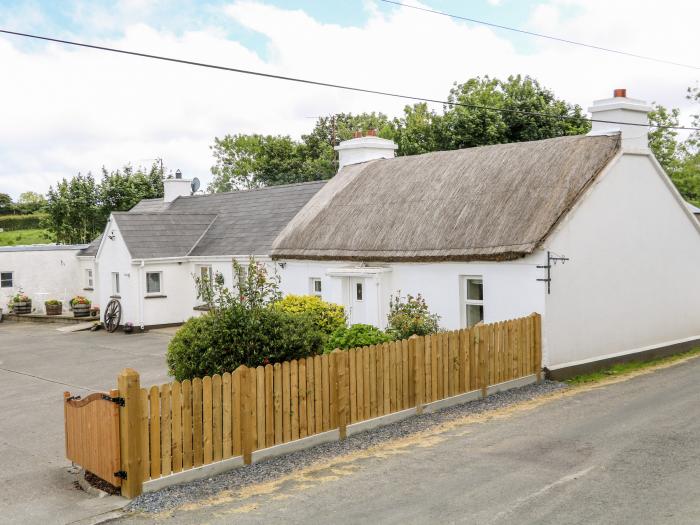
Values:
[(551, 259)]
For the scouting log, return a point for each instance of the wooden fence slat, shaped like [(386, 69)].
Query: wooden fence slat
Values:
[(318, 394), (217, 417), (303, 418), (187, 457), (197, 423), (294, 398), (360, 384), (342, 391), (386, 374), (325, 392), (286, 401), (154, 431), (372, 367), (398, 365), (269, 405), (333, 379), (129, 432), (538, 347), (366, 384), (236, 411), (226, 417), (427, 365), (352, 379), (277, 396), (310, 397), (145, 438), (207, 421), (260, 406), (176, 399), (165, 431), (390, 360)]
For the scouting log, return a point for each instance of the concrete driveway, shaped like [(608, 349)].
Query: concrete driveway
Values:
[(37, 364), (627, 452)]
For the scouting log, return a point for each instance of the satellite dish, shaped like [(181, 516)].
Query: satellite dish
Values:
[(195, 185)]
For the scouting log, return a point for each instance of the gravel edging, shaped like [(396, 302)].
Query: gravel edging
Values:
[(277, 467)]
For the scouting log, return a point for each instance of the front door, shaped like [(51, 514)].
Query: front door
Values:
[(358, 301)]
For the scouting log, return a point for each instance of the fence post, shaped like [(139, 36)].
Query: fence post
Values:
[(246, 415), (482, 359), (416, 346), (339, 384), (537, 325), (129, 384)]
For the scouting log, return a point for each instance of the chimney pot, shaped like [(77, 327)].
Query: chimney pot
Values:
[(357, 135), (371, 132), (620, 93)]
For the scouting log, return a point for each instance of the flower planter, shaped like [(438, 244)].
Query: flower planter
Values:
[(81, 310), (22, 307), (54, 309)]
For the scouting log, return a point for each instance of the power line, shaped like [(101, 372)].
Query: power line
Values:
[(541, 35), (332, 85)]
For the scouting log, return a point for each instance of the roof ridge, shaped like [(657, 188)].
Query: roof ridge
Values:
[(251, 190)]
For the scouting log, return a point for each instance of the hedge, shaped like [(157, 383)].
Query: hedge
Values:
[(22, 222)]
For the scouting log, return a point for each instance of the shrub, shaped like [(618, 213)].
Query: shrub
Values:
[(222, 340), (411, 317), (356, 336), (326, 317), (22, 222), (52, 302)]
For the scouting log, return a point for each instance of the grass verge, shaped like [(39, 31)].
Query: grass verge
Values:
[(20, 237), (623, 369)]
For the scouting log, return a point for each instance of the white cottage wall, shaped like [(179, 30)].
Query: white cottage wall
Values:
[(42, 272), (113, 257), (633, 280)]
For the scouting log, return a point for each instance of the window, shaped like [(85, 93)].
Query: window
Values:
[(89, 280), (473, 294), (358, 291), (316, 286), (6, 280), (115, 283), (153, 281), (205, 273)]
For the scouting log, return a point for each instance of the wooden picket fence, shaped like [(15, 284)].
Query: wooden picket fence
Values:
[(178, 426)]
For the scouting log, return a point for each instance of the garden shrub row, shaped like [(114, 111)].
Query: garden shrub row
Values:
[(22, 222)]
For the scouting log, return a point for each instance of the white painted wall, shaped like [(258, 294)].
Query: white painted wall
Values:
[(113, 256), (633, 280), (48, 272)]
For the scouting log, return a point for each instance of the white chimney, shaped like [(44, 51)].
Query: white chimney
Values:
[(362, 149), (631, 112), (177, 187)]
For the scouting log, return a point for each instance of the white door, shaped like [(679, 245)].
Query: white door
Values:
[(358, 301)]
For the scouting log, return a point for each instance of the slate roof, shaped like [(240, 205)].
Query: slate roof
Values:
[(232, 223)]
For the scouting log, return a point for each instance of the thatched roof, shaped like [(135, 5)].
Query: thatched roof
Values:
[(488, 203)]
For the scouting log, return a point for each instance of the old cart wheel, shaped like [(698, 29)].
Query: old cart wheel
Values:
[(113, 315)]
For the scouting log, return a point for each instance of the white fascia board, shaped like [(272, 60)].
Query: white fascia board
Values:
[(357, 272), (201, 258)]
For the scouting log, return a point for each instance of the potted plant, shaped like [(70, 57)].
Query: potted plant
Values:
[(81, 306), (21, 304), (53, 307)]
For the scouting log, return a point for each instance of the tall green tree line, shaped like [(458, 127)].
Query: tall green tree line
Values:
[(78, 208)]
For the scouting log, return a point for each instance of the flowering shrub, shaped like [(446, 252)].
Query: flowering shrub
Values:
[(20, 298), (411, 316), (326, 317), (79, 299)]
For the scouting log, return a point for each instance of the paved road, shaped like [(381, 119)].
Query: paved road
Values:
[(624, 453), (37, 364)]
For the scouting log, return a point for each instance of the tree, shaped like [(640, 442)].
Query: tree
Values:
[(122, 189), (662, 140), (5, 203), (30, 202)]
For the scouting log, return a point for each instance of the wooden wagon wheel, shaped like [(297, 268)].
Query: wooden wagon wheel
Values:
[(113, 315)]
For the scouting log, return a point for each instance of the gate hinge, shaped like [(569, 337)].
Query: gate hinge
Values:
[(121, 474), (118, 400)]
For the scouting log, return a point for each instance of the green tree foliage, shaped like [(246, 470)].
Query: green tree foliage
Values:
[(78, 208), (30, 202), (410, 316), (5, 203), (251, 161)]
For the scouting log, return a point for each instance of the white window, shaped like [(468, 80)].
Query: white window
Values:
[(153, 282), (473, 300), (358, 291), (6, 280), (316, 287), (205, 273), (115, 283), (89, 280)]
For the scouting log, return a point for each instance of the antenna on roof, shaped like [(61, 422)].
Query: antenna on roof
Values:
[(195, 185)]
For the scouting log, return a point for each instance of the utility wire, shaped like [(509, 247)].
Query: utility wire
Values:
[(540, 35), (331, 85)]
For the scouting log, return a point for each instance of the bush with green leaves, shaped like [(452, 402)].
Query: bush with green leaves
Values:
[(326, 317), (410, 316), (356, 336), (222, 340)]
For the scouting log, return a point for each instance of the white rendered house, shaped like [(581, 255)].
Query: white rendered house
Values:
[(588, 231)]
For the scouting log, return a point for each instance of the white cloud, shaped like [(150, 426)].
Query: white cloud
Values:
[(66, 110)]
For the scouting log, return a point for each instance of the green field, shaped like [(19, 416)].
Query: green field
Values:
[(18, 237)]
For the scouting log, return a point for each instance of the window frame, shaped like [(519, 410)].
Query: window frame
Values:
[(89, 279), (312, 286), (465, 301), (116, 284), (360, 286), (160, 283), (12, 279)]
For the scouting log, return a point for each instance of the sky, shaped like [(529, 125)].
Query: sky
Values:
[(65, 111)]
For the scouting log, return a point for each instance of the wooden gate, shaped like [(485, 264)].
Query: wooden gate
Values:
[(92, 434)]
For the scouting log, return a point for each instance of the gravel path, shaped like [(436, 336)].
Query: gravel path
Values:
[(277, 467)]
